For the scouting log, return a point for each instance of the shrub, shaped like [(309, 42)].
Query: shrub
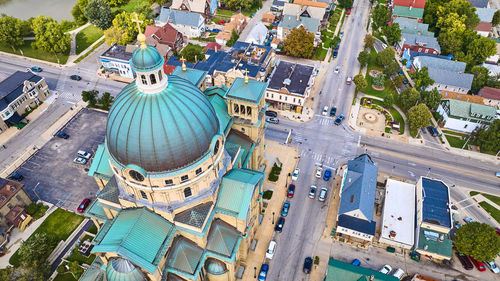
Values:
[(267, 194), (316, 260)]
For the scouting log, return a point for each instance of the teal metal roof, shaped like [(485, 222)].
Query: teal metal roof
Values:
[(222, 238), (163, 131), (220, 106), (123, 270), (408, 12), (468, 110), (237, 141), (137, 235), (215, 267), (146, 59), (343, 271), (110, 191), (94, 272), (100, 167), (96, 211), (236, 191), (184, 255), (194, 76), (252, 92)]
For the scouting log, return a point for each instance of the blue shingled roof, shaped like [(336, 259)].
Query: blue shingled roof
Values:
[(179, 17), (436, 208), (12, 87), (360, 182)]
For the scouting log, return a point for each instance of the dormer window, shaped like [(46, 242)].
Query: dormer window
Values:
[(144, 80)]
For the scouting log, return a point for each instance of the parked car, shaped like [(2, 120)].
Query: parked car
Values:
[(479, 264), (290, 191), (433, 131), (497, 230), (273, 120), (36, 69), (465, 261), (307, 265), (339, 119), (335, 53), (271, 113), (348, 80), (398, 273), (16, 177), (325, 111), (295, 174), (285, 208), (492, 266), (76, 77), (62, 135), (312, 192), (263, 272), (337, 69), (348, 12), (356, 262), (468, 220), (271, 249), (322, 194), (333, 111), (319, 172), (327, 175), (385, 269), (84, 154), (279, 224), (80, 160), (85, 203)]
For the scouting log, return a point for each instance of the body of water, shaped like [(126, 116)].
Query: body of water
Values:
[(24, 9)]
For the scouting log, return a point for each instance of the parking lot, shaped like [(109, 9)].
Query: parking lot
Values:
[(51, 175)]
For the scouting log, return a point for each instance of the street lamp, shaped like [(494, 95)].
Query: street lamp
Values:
[(273, 218), (254, 272)]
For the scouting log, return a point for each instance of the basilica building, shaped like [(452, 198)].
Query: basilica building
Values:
[(179, 176)]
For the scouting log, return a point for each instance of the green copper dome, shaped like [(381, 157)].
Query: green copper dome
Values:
[(162, 131), (123, 270), (146, 58)]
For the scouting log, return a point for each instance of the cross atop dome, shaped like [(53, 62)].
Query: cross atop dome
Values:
[(140, 37)]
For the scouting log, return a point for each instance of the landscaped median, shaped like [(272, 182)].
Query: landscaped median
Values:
[(490, 209)]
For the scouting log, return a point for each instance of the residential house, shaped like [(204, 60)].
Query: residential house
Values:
[(290, 85), (485, 18), (491, 96), (343, 271), (237, 23), (290, 22), (463, 97), (479, 3), (268, 18), (398, 219), (355, 216), (278, 5), (448, 75), (418, 43), (116, 63), (13, 201), (465, 116), (493, 68), (407, 12), (419, 4), (434, 220), (412, 26), (206, 8), (167, 35), (306, 8), (190, 24), (20, 93), (257, 35)]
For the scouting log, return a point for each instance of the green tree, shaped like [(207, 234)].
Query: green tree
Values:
[(113, 35), (480, 78), (125, 30), (90, 97), (398, 81), (481, 48), (35, 248), (245, 5), (145, 9), (418, 117), (388, 101), (496, 18), (391, 69), (34, 271), (379, 80), (49, 35), (360, 82), (409, 97), (487, 139), (233, 39), (421, 78), (369, 41), (105, 101), (392, 33), (363, 58), (299, 43), (346, 4), (11, 31), (431, 98), (193, 53), (116, 3), (450, 41), (380, 16), (385, 57), (478, 240), (98, 12), (78, 12)]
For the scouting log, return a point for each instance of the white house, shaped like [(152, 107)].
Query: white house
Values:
[(465, 116), (190, 24), (116, 60), (257, 35)]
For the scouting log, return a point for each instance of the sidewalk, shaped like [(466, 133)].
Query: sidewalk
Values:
[(480, 198), (288, 157)]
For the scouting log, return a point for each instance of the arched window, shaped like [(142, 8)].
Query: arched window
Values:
[(143, 194), (242, 109), (152, 77), (143, 78), (187, 192), (249, 110), (159, 75), (236, 108), (136, 175)]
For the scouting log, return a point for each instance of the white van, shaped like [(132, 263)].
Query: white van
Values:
[(398, 273), (84, 154), (271, 249)]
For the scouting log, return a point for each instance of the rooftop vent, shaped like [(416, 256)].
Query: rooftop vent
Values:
[(287, 82), (392, 234)]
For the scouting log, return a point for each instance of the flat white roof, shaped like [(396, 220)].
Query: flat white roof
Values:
[(399, 212)]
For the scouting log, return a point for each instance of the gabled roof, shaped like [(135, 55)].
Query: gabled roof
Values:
[(239, 146), (310, 3), (100, 168), (137, 235), (412, 26), (462, 97), (291, 22), (439, 63), (490, 93), (494, 69), (485, 14), (222, 238), (215, 96), (450, 78), (236, 192), (12, 87), (357, 224), (479, 3), (359, 184), (343, 271), (293, 77), (251, 92), (420, 4), (484, 26), (402, 11), (258, 34), (296, 9), (165, 35), (179, 17), (465, 109), (150, 30), (416, 40)]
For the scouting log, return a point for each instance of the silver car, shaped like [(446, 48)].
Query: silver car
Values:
[(312, 192), (80, 160), (84, 154), (273, 120), (322, 194)]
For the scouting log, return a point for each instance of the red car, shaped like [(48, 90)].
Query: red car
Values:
[(85, 203), (479, 264), (291, 190), (348, 12), (497, 230)]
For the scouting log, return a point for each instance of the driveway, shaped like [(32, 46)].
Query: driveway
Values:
[(257, 17)]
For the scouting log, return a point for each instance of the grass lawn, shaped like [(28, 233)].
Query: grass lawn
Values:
[(80, 58), (92, 229), (455, 133), (131, 6), (495, 213), (76, 256), (398, 118), (58, 225), (225, 13), (65, 277), (472, 193), (86, 37), (454, 141), (320, 54), (36, 54), (493, 198)]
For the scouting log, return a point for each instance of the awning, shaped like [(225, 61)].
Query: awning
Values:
[(14, 119)]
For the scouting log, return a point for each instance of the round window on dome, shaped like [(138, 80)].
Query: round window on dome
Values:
[(136, 175)]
